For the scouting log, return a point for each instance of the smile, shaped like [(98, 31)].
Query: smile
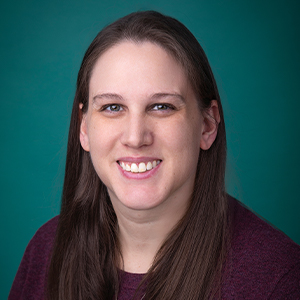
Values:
[(139, 167)]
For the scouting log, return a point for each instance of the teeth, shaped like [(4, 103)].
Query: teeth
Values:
[(142, 167), (139, 168), (134, 168)]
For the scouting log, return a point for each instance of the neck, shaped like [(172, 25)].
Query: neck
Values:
[(142, 233)]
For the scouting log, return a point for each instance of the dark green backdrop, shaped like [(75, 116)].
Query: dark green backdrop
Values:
[(253, 47)]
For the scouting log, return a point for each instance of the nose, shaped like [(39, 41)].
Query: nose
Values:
[(136, 131)]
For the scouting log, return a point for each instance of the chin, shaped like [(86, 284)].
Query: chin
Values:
[(141, 203), (138, 200)]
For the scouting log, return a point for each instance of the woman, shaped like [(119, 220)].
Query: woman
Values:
[(144, 210)]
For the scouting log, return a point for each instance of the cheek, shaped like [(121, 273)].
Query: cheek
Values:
[(186, 133), (184, 140), (99, 151), (101, 134), (100, 142)]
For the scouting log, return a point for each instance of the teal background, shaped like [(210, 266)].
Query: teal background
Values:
[(253, 47)]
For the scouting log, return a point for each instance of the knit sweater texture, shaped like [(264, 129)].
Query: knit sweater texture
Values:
[(263, 263)]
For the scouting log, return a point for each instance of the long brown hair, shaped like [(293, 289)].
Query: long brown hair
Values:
[(86, 249)]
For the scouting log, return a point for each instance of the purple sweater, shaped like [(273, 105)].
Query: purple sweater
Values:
[(263, 263)]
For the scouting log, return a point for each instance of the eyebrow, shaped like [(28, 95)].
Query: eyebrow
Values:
[(165, 95), (155, 96), (109, 96)]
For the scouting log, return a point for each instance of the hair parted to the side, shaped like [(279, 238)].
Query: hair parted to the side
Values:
[(86, 252)]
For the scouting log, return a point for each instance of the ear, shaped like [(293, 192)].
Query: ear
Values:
[(83, 136), (210, 123)]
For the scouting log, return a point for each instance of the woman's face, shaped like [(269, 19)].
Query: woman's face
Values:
[(143, 128)]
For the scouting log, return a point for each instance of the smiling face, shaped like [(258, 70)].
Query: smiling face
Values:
[(143, 128)]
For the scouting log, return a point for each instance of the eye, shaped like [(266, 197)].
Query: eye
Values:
[(112, 108), (163, 106)]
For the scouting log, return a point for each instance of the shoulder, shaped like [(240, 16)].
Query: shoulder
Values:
[(40, 245), (255, 235), (46, 233), (262, 259), (30, 281)]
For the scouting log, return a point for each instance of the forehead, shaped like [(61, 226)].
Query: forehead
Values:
[(144, 65)]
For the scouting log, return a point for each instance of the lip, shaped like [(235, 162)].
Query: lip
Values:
[(137, 160)]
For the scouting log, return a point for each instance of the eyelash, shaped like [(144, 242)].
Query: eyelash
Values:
[(166, 106), (155, 107), (105, 107)]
